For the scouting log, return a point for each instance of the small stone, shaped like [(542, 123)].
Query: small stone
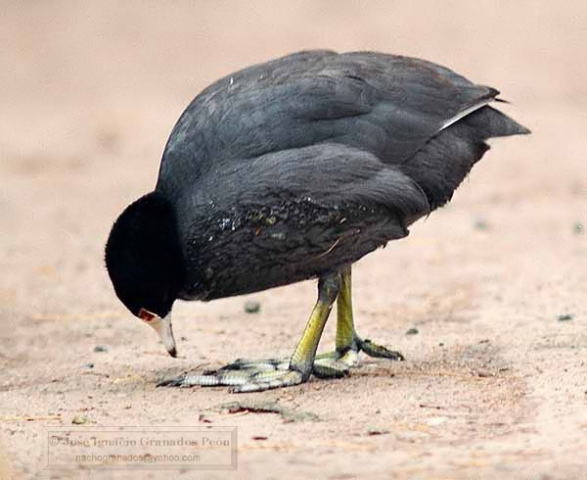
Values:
[(376, 431), (79, 420), (412, 331), (203, 418), (578, 228), (481, 225), (252, 306), (88, 365), (566, 317), (260, 437), (100, 348)]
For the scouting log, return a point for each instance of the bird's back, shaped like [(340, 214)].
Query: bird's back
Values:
[(389, 106)]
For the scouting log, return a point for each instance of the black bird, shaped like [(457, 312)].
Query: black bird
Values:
[(294, 169)]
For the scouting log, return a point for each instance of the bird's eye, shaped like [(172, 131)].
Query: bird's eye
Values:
[(145, 315)]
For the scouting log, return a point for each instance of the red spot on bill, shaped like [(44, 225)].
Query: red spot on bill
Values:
[(145, 315)]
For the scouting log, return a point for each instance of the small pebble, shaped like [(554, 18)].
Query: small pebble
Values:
[(79, 420), (260, 437), (565, 317), (252, 306), (412, 331), (88, 365), (481, 225), (578, 228), (203, 418), (376, 431), (100, 348)]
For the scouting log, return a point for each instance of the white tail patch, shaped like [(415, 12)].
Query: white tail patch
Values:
[(464, 113)]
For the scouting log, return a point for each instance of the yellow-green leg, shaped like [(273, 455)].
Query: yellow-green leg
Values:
[(348, 344), (258, 375), (252, 376)]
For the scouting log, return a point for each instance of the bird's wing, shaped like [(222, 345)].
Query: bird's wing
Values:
[(386, 105), (327, 174)]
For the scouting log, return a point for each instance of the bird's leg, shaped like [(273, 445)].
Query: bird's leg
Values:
[(347, 344), (253, 376)]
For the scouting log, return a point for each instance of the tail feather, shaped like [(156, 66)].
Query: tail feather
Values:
[(487, 122), (446, 159)]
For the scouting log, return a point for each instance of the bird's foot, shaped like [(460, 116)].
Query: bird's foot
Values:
[(243, 376), (258, 375), (336, 364), (378, 351)]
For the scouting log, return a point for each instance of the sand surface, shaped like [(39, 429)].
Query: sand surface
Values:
[(494, 386)]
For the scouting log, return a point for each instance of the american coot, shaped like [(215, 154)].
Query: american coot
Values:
[(294, 169)]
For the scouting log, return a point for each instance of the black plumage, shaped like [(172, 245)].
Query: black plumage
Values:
[(296, 167)]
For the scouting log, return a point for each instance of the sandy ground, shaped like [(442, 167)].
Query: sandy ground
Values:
[(495, 384)]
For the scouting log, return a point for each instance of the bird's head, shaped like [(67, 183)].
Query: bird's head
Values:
[(145, 263)]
